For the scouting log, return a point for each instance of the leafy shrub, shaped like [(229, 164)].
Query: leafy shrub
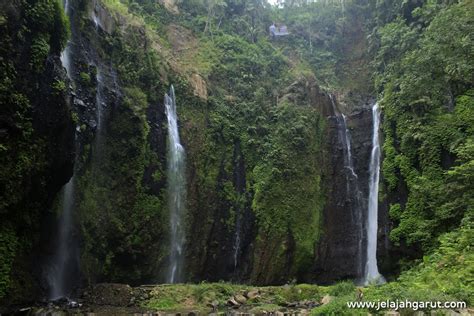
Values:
[(8, 247)]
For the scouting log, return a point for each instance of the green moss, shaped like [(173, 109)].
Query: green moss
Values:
[(427, 119), (59, 86), (201, 296), (39, 52), (33, 32), (85, 78), (8, 248)]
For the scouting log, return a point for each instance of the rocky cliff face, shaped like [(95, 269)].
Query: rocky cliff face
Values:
[(37, 138), (267, 200), (340, 253)]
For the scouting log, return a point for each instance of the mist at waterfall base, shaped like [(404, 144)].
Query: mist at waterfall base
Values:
[(372, 274), (63, 269), (176, 191)]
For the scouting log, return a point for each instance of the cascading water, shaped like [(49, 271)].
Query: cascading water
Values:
[(102, 79), (352, 185), (66, 53), (237, 238), (239, 206), (350, 162), (344, 139), (66, 60), (99, 99), (99, 140), (372, 274), (176, 190), (63, 266), (60, 269)]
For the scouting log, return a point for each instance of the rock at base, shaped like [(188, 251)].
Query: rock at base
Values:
[(327, 299)]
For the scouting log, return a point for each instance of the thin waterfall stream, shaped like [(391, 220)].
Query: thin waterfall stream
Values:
[(60, 269), (372, 274), (60, 274), (100, 100), (352, 186), (176, 191), (237, 238)]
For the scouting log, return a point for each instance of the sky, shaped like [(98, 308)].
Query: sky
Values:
[(272, 1)]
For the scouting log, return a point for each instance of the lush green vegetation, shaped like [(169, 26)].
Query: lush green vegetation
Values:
[(255, 143), (121, 216), (33, 32), (425, 78), (241, 117), (204, 295), (444, 275)]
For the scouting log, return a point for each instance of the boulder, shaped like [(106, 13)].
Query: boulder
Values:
[(240, 299), (233, 302), (79, 102), (327, 299), (252, 294)]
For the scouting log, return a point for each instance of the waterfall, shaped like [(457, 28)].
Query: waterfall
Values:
[(66, 60), (237, 238), (349, 162), (99, 99), (95, 19), (60, 270), (371, 270), (66, 7), (344, 139), (63, 266), (352, 185), (66, 53), (176, 191)]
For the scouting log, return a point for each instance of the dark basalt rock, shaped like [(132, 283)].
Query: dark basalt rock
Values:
[(51, 138), (338, 250)]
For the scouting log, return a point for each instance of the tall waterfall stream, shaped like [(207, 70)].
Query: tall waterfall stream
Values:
[(176, 191)]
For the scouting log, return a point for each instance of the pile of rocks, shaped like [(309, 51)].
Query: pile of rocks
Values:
[(240, 299)]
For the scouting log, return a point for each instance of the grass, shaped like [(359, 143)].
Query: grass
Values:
[(200, 297), (191, 296)]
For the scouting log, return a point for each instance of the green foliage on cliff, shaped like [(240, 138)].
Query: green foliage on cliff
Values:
[(255, 142), (258, 122), (8, 245), (241, 120), (424, 73), (25, 46), (33, 32), (121, 216), (288, 194), (444, 275)]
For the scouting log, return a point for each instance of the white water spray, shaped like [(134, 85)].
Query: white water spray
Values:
[(372, 274), (176, 190), (59, 270), (66, 53)]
